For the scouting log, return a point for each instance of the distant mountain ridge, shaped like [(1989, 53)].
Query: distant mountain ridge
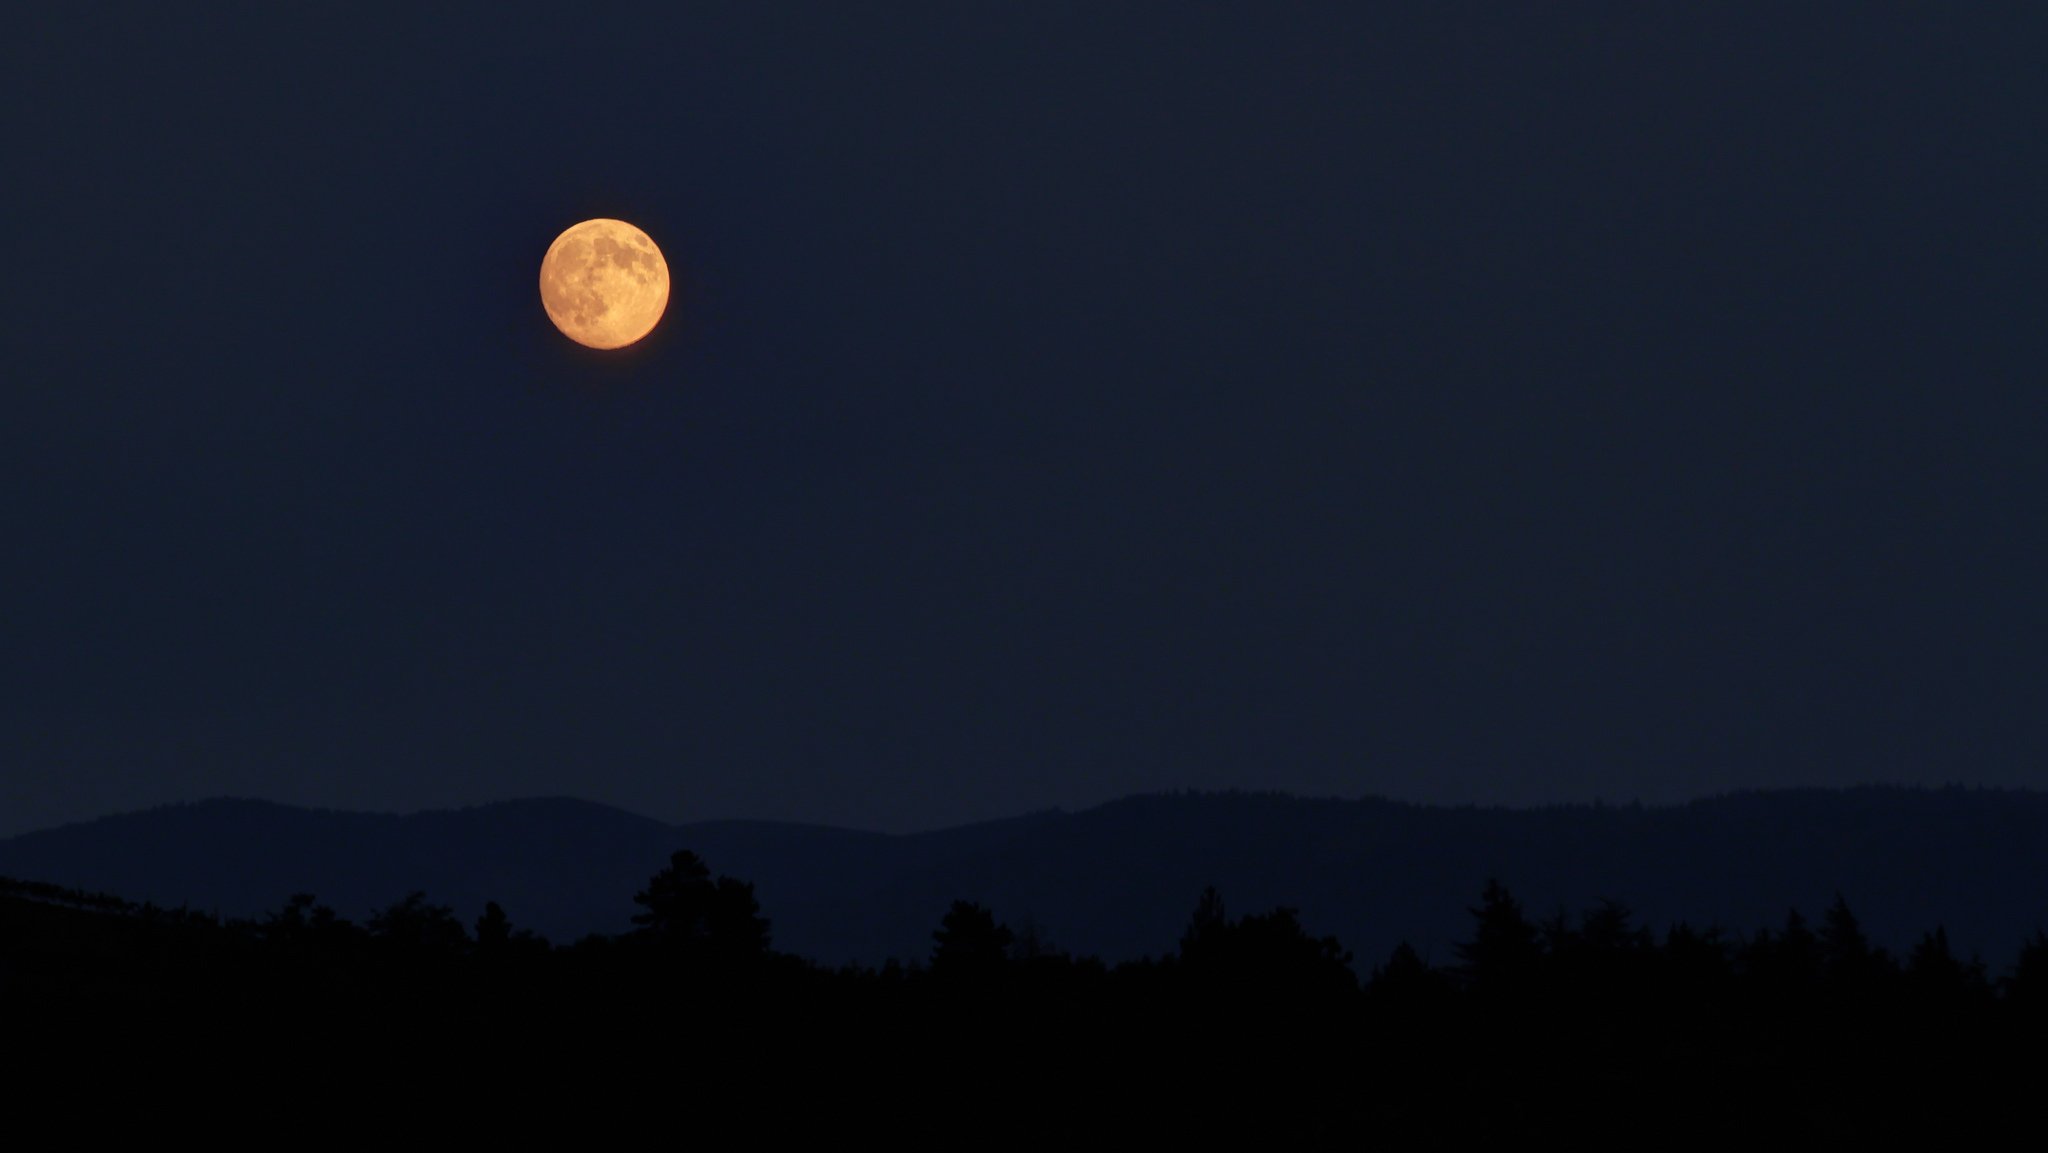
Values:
[(1119, 880)]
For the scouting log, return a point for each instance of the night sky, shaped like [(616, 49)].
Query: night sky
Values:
[(1494, 403)]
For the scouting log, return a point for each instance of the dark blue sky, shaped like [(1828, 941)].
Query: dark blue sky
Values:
[(1494, 403)]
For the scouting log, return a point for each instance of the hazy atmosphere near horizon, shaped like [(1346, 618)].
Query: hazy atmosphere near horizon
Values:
[(1494, 403)]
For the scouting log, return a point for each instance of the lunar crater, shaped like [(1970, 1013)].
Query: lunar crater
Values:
[(604, 283)]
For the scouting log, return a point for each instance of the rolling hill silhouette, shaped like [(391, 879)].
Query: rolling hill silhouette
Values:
[(1117, 881)]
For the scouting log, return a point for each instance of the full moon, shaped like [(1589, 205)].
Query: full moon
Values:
[(604, 283)]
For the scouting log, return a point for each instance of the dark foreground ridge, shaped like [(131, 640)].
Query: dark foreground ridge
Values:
[(1114, 881), (1251, 1028)]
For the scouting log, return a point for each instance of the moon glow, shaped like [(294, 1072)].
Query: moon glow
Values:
[(604, 283)]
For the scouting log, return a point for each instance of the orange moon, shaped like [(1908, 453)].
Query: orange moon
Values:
[(604, 283)]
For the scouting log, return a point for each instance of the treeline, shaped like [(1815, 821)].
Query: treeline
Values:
[(1589, 1020)]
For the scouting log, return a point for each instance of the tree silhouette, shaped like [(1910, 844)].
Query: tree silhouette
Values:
[(1206, 926), (970, 942), (1266, 954), (495, 936), (1504, 951), (288, 923), (1609, 930), (1846, 957), (414, 929), (1275, 948), (1695, 964), (1032, 946), (1407, 979), (1786, 964), (2027, 985), (685, 910), (1603, 959), (1935, 973), (494, 928)]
